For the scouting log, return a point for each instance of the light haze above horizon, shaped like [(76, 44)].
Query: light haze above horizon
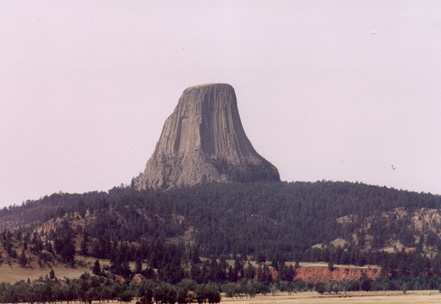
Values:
[(327, 90)]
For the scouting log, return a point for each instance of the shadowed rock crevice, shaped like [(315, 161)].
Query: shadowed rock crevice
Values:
[(203, 141)]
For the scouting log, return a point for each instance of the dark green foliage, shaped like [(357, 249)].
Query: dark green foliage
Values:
[(288, 273), (138, 265), (64, 243), (250, 272), (126, 296), (23, 261), (212, 294), (320, 288), (279, 222), (96, 270), (257, 218), (331, 265), (201, 293), (165, 293), (90, 288), (366, 284), (84, 244)]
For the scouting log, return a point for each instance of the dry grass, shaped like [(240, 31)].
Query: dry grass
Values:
[(395, 297), (390, 297), (15, 273), (307, 264), (323, 264)]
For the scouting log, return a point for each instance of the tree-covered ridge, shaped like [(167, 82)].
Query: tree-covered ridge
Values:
[(271, 219), (260, 226)]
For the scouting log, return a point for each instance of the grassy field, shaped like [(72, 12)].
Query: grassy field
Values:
[(309, 264), (324, 264), (390, 297), (15, 273)]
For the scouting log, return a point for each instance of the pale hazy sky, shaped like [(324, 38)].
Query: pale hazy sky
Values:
[(335, 90)]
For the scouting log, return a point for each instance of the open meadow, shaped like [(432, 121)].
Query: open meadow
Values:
[(15, 273), (389, 297)]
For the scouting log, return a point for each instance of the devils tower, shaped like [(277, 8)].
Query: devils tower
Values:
[(203, 141)]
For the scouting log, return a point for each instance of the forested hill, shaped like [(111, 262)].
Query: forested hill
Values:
[(273, 220)]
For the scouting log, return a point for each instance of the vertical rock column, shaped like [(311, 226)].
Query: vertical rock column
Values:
[(203, 141)]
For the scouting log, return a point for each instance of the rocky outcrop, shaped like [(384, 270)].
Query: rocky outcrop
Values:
[(203, 141)]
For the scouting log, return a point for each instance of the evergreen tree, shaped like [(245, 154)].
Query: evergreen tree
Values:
[(138, 265), (96, 268), (52, 274), (250, 271), (23, 261)]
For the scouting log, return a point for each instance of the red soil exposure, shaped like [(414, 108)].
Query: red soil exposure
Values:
[(324, 274)]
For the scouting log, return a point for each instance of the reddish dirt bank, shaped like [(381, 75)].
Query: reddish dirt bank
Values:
[(323, 274)]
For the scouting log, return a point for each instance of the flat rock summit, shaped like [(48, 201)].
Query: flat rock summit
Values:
[(203, 141)]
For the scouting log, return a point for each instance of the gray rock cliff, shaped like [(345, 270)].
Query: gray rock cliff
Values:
[(203, 141)]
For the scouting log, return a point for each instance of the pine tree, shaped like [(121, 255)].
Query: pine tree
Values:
[(84, 244), (96, 268), (250, 272), (23, 259), (138, 265)]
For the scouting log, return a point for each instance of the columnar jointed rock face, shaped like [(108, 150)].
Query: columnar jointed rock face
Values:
[(203, 141)]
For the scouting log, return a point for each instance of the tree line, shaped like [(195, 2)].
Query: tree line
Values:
[(91, 287)]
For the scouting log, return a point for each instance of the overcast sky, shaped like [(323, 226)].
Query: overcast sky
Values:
[(334, 90)]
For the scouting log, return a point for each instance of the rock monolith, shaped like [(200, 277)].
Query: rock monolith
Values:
[(203, 141)]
